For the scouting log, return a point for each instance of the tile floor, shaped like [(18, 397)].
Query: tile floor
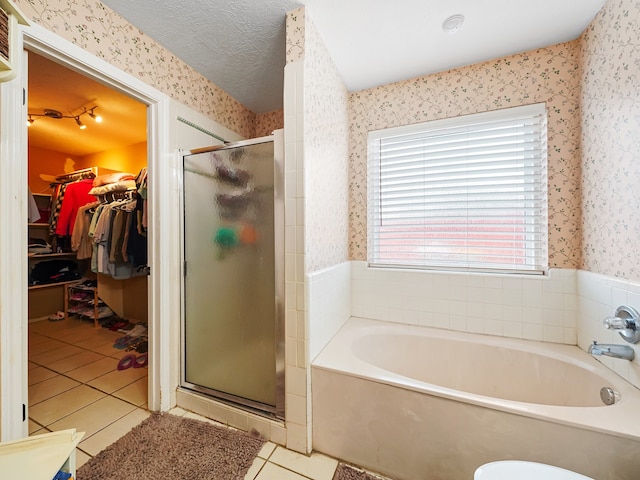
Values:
[(74, 383)]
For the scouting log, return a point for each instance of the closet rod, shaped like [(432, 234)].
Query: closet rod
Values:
[(65, 176)]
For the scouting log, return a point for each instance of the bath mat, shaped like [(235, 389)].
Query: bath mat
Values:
[(168, 446), (347, 472)]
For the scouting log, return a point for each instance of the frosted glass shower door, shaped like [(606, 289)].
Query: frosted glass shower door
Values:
[(230, 313)]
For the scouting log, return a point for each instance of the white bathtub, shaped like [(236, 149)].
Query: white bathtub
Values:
[(420, 403)]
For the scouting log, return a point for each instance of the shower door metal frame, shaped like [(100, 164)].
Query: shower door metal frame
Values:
[(279, 236)]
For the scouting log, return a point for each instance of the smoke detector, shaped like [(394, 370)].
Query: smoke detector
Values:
[(452, 24)]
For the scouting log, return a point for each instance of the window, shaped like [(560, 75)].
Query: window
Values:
[(467, 193)]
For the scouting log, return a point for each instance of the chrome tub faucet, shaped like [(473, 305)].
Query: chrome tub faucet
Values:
[(615, 351), (626, 321)]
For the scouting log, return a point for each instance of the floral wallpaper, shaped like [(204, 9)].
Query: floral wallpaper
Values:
[(611, 141), (295, 23), (550, 75), (267, 122), (326, 153), (94, 27)]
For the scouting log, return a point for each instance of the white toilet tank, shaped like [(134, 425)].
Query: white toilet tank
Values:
[(520, 470)]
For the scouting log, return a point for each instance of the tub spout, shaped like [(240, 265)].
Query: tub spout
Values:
[(615, 351)]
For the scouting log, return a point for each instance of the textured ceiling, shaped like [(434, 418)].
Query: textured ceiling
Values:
[(240, 45)]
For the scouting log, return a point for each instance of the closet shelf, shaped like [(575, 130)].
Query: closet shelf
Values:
[(52, 255), (49, 285), (96, 306)]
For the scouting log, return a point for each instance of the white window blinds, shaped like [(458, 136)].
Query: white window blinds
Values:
[(464, 193)]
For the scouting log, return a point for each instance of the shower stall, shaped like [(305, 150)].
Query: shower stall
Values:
[(233, 286)]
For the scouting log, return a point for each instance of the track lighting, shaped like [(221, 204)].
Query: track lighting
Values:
[(51, 113), (97, 118)]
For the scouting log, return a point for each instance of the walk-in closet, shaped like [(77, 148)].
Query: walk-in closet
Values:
[(88, 236)]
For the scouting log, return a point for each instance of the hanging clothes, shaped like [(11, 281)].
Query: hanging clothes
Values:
[(141, 185), (60, 187), (76, 196), (34, 212), (117, 248), (56, 204), (80, 240)]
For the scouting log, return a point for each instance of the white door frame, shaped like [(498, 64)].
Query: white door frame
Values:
[(164, 291)]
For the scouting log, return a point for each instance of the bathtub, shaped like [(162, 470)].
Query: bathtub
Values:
[(418, 403)]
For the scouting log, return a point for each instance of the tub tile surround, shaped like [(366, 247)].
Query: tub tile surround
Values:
[(519, 306), (567, 306), (598, 296), (329, 300), (353, 417)]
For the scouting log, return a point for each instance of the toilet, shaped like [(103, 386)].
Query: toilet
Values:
[(521, 470)]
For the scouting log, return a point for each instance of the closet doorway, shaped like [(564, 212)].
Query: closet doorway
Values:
[(88, 313)]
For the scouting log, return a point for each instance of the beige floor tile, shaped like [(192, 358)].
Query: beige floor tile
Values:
[(52, 329), (109, 350), (177, 411), (195, 416), (98, 340), (256, 466), (77, 360), (105, 437), (46, 358), (266, 450), (136, 392), (50, 388), (93, 370), (118, 379), (46, 346), (34, 427), (40, 374), (271, 471), (81, 458), (315, 466), (94, 417), (66, 403), (42, 328), (76, 335), (37, 339)]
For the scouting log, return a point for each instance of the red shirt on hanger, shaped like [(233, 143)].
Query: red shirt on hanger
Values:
[(76, 196)]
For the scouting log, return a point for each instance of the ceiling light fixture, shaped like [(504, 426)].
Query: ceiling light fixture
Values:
[(97, 118), (452, 24), (56, 114)]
